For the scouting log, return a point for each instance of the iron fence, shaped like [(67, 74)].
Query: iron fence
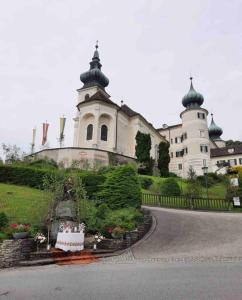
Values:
[(185, 202)]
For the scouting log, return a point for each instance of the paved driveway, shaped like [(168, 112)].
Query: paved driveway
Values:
[(189, 234)]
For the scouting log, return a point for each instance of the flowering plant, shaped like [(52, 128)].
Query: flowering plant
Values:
[(98, 237), (39, 238), (15, 228)]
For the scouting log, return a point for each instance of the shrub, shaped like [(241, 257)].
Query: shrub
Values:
[(3, 236), (209, 181), (3, 220), (126, 219), (121, 188), (33, 177), (170, 187), (171, 174), (24, 175), (44, 163), (145, 182)]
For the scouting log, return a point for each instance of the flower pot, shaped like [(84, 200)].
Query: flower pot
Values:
[(20, 235)]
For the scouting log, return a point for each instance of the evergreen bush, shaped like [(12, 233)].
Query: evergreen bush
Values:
[(145, 182), (164, 159), (170, 187), (121, 188)]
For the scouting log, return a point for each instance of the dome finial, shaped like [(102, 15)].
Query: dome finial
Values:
[(192, 98), (214, 130), (94, 77)]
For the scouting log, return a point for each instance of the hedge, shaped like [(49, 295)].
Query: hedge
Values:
[(33, 177)]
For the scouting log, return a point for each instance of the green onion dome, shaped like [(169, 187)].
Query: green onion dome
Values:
[(192, 98), (94, 77), (214, 130)]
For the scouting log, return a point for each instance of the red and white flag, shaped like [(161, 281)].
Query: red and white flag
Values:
[(45, 130)]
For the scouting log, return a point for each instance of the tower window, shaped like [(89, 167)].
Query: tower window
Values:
[(179, 166), (104, 133), (89, 132), (201, 115), (204, 148), (87, 96), (202, 133)]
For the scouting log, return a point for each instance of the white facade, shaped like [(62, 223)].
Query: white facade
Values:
[(121, 128)]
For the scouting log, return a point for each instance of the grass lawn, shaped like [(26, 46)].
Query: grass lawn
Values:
[(23, 204)]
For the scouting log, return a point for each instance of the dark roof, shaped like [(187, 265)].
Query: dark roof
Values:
[(225, 151), (128, 111), (169, 127), (98, 96)]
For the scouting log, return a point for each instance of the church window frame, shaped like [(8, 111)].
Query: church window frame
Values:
[(104, 133), (89, 134)]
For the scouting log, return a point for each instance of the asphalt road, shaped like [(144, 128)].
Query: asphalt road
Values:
[(189, 255)]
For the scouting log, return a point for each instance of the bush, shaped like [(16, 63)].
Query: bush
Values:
[(145, 182), (171, 174), (3, 236), (33, 177), (121, 188), (3, 220), (127, 219), (170, 187), (209, 181), (44, 163), (24, 175)]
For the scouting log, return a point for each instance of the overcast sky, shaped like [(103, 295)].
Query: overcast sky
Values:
[(147, 48)]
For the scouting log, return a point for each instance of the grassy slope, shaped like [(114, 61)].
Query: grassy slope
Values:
[(216, 191), (23, 204)]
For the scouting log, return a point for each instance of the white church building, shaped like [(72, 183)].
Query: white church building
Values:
[(104, 132)]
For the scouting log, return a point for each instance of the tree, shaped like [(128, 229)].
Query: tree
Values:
[(231, 143), (142, 152), (12, 153), (121, 188), (163, 159), (194, 188)]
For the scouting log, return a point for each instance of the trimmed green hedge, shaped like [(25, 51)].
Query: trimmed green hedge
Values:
[(33, 177)]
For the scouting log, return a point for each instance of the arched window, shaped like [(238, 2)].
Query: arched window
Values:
[(89, 132), (104, 133)]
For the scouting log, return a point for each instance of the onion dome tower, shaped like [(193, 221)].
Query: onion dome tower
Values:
[(192, 99), (94, 76), (195, 139), (214, 130)]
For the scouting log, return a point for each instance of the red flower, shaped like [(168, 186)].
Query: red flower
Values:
[(14, 225), (109, 229)]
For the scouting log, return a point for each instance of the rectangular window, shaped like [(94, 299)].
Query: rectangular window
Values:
[(201, 115), (240, 161), (171, 141), (178, 140), (202, 133), (204, 148), (179, 153), (184, 136), (185, 150), (171, 155), (232, 162), (220, 163), (179, 166)]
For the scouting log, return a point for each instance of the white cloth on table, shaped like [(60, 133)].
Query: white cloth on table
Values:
[(73, 241)]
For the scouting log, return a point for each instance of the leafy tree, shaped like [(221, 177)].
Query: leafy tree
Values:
[(164, 159), (194, 188), (170, 187), (233, 143), (142, 152), (121, 188), (12, 153)]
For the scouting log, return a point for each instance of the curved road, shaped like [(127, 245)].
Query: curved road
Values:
[(180, 233), (145, 271)]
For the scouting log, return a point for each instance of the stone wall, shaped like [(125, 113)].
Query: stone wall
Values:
[(13, 251)]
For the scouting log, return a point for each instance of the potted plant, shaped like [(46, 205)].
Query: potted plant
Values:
[(20, 231)]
